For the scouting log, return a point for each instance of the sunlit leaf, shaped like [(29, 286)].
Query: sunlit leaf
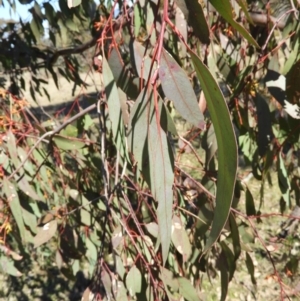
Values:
[(178, 88), (161, 180), (134, 281), (45, 233), (227, 148), (13, 200), (224, 8), (73, 3), (187, 290), (65, 143), (180, 238), (7, 266)]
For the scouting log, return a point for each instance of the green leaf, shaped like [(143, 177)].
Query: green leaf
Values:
[(283, 180), (35, 30), (137, 131), (30, 220), (209, 144), (142, 61), (224, 275), (122, 75), (264, 123), (73, 3), (161, 179), (64, 143), (7, 266), (114, 108), (178, 88), (187, 290), (236, 244), (137, 19), (70, 131), (193, 13), (14, 204), (250, 205), (227, 148), (27, 189), (134, 281), (180, 238), (70, 24), (12, 149), (250, 267), (224, 8), (121, 292), (45, 233)]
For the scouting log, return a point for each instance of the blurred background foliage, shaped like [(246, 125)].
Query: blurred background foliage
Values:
[(136, 195)]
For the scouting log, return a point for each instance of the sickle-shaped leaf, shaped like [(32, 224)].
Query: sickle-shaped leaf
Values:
[(178, 88), (227, 148), (224, 8)]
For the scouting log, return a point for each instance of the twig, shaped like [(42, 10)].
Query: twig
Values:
[(50, 134)]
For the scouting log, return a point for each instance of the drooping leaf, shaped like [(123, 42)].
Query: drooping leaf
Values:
[(227, 148), (250, 267), (161, 180), (209, 144), (45, 233), (283, 180), (121, 75), (181, 24), (235, 236), (224, 275), (265, 134), (193, 13), (178, 88), (114, 108), (224, 8), (30, 220), (180, 238), (250, 205), (14, 204), (137, 131), (142, 61), (134, 281)]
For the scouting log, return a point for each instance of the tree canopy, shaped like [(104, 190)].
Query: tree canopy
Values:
[(116, 187)]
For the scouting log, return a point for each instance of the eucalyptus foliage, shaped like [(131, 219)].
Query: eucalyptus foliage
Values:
[(112, 191)]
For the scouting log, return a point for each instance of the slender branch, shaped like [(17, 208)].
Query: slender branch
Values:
[(50, 134)]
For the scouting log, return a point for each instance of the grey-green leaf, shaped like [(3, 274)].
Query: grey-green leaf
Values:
[(14, 204), (178, 88), (134, 281), (227, 148)]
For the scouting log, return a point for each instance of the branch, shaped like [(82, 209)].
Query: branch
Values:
[(50, 134)]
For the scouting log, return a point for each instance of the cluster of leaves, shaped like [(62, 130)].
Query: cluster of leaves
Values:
[(116, 193)]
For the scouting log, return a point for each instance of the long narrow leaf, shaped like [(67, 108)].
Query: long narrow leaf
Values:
[(224, 8), (227, 148), (114, 108), (161, 177)]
